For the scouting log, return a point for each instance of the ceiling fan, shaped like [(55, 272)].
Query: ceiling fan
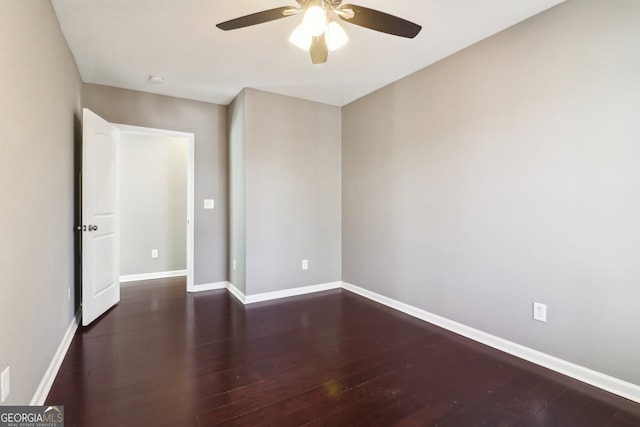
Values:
[(319, 31)]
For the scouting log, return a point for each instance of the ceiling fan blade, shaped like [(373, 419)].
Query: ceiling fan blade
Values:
[(319, 50), (380, 21), (257, 18)]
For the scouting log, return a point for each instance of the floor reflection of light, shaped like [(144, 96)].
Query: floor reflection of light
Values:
[(333, 388)]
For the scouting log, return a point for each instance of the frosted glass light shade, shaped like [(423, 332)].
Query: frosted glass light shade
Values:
[(335, 35), (301, 38)]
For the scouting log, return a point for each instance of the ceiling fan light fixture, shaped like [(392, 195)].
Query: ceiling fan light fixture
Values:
[(315, 19), (335, 36)]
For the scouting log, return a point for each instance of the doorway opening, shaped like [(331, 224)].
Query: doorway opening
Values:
[(156, 204)]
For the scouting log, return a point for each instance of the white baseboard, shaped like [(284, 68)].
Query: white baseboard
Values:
[(209, 286), (149, 276), (236, 292), (267, 296), (606, 382), (47, 380)]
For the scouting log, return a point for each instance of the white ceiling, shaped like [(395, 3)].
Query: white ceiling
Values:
[(121, 42)]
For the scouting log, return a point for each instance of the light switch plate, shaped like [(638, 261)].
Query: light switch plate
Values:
[(209, 203), (5, 384), (154, 253)]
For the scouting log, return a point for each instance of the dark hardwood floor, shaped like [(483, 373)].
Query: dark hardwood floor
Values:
[(163, 357)]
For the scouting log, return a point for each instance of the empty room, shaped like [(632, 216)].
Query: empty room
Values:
[(310, 212)]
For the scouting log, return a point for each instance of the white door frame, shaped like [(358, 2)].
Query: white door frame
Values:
[(190, 137)]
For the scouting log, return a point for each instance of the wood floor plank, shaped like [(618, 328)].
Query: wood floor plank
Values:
[(163, 357)]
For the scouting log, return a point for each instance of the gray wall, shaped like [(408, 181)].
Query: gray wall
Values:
[(506, 174), (39, 110), (237, 218), (209, 124), (153, 203), (292, 192)]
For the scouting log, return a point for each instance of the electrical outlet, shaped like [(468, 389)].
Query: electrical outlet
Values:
[(540, 311), (305, 264), (209, 203), (154, 253), (5, 384), (68, 293), (234, 263)]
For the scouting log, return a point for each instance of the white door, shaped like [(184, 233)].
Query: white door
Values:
[(100, 223)]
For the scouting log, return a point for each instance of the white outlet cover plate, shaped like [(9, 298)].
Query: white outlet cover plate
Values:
[(540, 311), (209, 203), (305, 264)]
